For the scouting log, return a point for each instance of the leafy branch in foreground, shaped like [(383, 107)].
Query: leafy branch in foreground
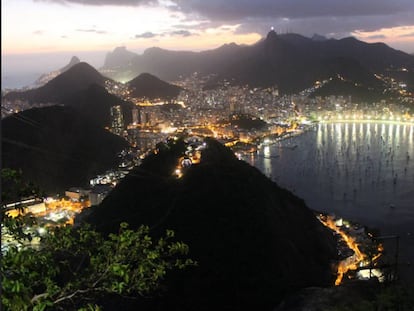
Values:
[(76, 266), (14, 188)]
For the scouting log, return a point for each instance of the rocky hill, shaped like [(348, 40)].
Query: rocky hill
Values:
[(150, 87), (254, 241), (77, 78)]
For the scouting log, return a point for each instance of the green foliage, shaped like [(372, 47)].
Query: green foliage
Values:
[(75, 266), (14, 188)]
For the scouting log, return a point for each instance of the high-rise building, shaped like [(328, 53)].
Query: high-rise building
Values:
[(117, 120), (135, 116)]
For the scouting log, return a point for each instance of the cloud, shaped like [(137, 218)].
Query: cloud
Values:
[(38, 32), (146, 35), (327, 17), (374, 37), (104, 2), (241, 9), (100, 32), (182, 33), (177, 33), (407, 35)]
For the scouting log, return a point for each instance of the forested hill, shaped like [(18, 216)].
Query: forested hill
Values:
[(254, 241)]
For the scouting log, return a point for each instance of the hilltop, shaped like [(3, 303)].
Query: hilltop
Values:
[(77, 78), (254, 241), (148, 86)]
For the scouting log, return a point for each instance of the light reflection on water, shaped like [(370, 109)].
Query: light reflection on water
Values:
[(355, 170)]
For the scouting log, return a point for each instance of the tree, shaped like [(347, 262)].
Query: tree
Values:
[(14, 188), (77, 266)]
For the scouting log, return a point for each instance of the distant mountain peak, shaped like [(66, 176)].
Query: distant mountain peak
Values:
[(73, 61), (119, 57), (46, 77), (120, 48)]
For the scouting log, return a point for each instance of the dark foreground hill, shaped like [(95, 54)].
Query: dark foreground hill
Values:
[(254, 242), (57, 148), (95, 104)]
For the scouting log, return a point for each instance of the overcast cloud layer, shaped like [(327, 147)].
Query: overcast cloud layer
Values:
[(336, 18)]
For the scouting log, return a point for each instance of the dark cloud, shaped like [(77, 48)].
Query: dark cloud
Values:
[(242, 9), (330, 26), (146, 35), (335, 18), (182, 33), (105, 2), (100, 32)]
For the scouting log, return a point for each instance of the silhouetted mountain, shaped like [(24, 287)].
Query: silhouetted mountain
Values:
[(254, 242), (120, 57), (150, 87), (95, 103), (57, 148), (43, 79), (78, 77), (291, 61), (73, 61), (169, 65)]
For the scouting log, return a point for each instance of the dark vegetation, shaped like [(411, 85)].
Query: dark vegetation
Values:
[(57, 148), (254, 242), (95, 103), (150, 87), (247, 122)]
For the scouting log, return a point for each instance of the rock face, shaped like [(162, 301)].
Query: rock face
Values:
[(254, 242)]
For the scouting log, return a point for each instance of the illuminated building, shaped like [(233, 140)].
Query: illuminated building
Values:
[(135, 116), (117, 120)]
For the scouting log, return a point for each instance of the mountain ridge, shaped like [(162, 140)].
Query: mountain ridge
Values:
[(291, 61)]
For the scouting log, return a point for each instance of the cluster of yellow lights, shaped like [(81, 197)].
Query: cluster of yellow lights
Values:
[(350, 263), (53, 206)]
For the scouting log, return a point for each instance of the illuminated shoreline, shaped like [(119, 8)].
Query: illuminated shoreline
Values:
[(393, 122)]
